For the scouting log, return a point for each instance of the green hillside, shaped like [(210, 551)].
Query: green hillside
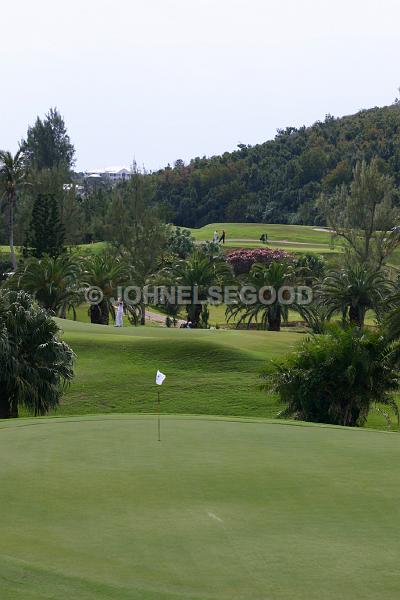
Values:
[(296, 238), (298, 234), (210, 372), (280, 180)]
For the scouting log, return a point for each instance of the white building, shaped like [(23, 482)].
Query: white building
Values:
[(110, 174)]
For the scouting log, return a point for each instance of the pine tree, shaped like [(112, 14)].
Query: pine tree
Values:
[(48, 145), (46, 234)]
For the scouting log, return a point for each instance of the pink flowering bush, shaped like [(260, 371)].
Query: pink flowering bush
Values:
[(242, 260)]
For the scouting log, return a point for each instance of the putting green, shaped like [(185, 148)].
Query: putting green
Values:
[(95, 508)]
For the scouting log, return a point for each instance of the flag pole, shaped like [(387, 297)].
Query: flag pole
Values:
[(159, 381), (158, 415)]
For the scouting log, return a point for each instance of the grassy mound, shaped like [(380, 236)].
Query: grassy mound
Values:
[(208, 371), (96, 508)]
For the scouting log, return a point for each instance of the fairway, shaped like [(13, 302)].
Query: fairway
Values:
[(298, 239), (208, 371), (252, 232), (219, 510)]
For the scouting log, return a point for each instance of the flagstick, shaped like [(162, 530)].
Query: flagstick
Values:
[(159, 424)]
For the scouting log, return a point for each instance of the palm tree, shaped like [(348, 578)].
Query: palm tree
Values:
[(337, 378), (310, 268), (35, 364), (54, 282), (104, 273), (315, 315), (12, 176), (269, 314), (391, 320), (353, 290), (200, 272)]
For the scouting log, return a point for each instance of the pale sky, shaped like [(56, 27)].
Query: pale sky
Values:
[(165, 79)]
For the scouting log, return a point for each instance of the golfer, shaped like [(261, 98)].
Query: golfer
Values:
[(215, 237), (120, 312)]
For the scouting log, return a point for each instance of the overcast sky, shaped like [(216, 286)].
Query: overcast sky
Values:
[(165, 79)]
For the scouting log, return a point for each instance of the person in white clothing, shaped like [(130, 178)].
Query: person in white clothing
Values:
[(120, 312), (215, 237)]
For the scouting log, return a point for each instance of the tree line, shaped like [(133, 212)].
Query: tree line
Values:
[(279, 181)]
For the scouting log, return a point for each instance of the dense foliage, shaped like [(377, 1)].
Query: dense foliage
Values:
[(180, 242), (266, 307), (12, 178), (46, 234), (365, 214), (47, 144), (337, 377), (280, 180), (198, 273), (53, 282), (353, 290), (34, 363)]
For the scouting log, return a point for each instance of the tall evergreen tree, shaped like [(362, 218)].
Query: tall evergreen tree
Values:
[(48, 145), (46, 233)]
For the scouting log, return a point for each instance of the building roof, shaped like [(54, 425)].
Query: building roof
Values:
[(110, 170)]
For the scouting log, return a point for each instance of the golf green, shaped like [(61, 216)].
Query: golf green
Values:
[(96, 508)]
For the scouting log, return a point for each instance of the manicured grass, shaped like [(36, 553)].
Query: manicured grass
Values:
[(209, 371), (299, 239), (253, 231), (97, 508), (95, 248)]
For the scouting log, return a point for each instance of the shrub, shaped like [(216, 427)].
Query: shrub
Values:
[(310, 267), (242, 260), (337, 377), (180, 242), (35, 364)]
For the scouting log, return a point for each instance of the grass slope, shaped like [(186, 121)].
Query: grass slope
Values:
[(296, 238), (299, 239), (219, 510), (252, 231), (209, 371)]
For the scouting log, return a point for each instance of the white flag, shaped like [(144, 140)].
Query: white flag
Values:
[(160, 378)]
